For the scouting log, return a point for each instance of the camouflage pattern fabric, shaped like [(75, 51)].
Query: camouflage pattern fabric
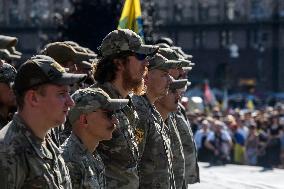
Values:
[(155, 166), (178, 152), (86, 169), (7, 73), (157, 61), (28, 162), (189, 147), (124, 40), (120, 154), (56, 135)]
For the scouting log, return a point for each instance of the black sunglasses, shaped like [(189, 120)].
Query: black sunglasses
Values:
[(140, 57)]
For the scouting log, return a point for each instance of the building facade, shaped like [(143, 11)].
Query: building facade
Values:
[(34, 22), (235, 43)]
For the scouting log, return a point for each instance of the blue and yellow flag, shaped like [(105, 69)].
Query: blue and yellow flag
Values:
[(131, 17)]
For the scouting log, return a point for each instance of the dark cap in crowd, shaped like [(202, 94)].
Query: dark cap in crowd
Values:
[(91, 99), (173, 55), (62, 53), (122, 40), (157, 61), (41, 69)]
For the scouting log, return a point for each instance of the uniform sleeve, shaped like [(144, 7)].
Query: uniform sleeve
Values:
[(75, 174), (12, 174)]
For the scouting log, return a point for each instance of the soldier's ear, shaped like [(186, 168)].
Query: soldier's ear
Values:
[(83, 120), (31, 97), (118, 64)]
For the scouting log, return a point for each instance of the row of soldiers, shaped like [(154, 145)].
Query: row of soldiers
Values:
[(122, 127)]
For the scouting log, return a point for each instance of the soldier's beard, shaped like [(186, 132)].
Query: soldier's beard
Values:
[(131, 84)]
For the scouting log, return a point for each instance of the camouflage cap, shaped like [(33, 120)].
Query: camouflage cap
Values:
[(121, 40), (90, 99), (8, 43), (182, 53), (62, 53), (6, 55), (41, 69), (173, 55), (7, 73), (178, 84), (159, 62)]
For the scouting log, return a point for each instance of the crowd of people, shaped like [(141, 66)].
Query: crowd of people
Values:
[(73, 118), (250, 137)]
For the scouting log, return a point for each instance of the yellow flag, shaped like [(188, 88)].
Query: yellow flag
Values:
[(131, 17), (250, 105)]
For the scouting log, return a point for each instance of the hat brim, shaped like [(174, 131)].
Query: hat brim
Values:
[(5, 54), (85, 64), (187, 68), (187, 63), (169, 64), (181, 52), (79, 56), (69, 79), (178, 84), (116, 104), (147, 49)]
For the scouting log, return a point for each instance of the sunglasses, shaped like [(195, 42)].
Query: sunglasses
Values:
[(140, 57)]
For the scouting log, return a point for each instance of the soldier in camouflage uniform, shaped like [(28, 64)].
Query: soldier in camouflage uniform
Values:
[(155, 166), (28, 156), (183, 125), (76, 59), (119, 72), (165, 105), (92, 121), (7, 76), (7, 97)]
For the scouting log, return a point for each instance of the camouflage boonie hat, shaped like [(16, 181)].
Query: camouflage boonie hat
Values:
[(122, 40), (7, 73), (41, 69), (7, 48), (159, 62), (178, 84), (90, 99), (61, 52), (173, 55)]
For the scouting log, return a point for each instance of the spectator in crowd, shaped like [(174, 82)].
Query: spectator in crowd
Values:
[(200, 138), (238, 144), (219, 142), (251, 145)]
